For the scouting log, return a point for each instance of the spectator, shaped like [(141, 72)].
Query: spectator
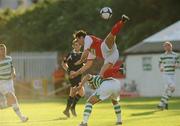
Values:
[(58, 78)]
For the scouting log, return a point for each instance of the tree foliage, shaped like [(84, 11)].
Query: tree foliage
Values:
[(49, 25)]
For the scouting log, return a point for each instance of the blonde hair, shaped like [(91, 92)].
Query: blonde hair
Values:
[(3, 46), (168, 43)]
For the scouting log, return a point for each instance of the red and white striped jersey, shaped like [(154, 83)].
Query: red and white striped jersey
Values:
[(93, 44)]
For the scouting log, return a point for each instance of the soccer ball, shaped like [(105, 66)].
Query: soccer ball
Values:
[(106, 13)]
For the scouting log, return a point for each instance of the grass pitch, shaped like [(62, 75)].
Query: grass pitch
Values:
[(135, 112)]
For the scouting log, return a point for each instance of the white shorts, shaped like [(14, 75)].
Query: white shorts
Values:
[(109, 55), (6, 86), (169, 80), (109, 89)]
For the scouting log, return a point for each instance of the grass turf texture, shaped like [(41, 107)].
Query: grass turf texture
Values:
[(135, 112)]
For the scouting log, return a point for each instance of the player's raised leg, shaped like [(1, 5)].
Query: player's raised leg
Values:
[(113, 71), (109, 48), (110, 39), (105, 68)]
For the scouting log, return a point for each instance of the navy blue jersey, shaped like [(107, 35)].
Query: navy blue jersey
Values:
[(71, 59)]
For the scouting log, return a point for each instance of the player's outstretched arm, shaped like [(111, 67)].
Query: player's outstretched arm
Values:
[(84, 80), (83, 57), (64, 65), (87, 65), (161, 67), (177, 64), (13, 73), (82, 83)]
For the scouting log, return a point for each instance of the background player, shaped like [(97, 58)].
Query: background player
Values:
[(104, 89), (68, 65), (7, 74), (96, 47), (169, 61)]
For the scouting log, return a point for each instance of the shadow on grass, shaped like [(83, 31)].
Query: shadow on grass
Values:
[(172, 106), (56, 119), (145, 113), (128, 103), (82, 100), (32, 121), (148, 115)]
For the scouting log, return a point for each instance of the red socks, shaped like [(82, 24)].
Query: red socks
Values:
[(111, 72), (116, 28)]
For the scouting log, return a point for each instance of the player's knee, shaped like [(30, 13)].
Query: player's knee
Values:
[(90, 101), (172, 88), (110, 39), (93, 100), (11, 98), (72, 92), (3, 102), (81, 92), (10, 95), (114, 102)]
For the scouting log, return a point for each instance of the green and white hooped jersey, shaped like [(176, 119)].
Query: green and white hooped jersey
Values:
[(168, 62), (95, 82), (6, 68)]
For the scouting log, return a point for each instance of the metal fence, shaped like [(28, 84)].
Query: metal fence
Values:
[(34, 65)]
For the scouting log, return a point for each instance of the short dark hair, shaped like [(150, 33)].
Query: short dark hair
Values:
[(80, 33)]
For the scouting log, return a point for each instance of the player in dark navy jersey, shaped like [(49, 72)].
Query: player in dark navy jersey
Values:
[(69, 65)]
